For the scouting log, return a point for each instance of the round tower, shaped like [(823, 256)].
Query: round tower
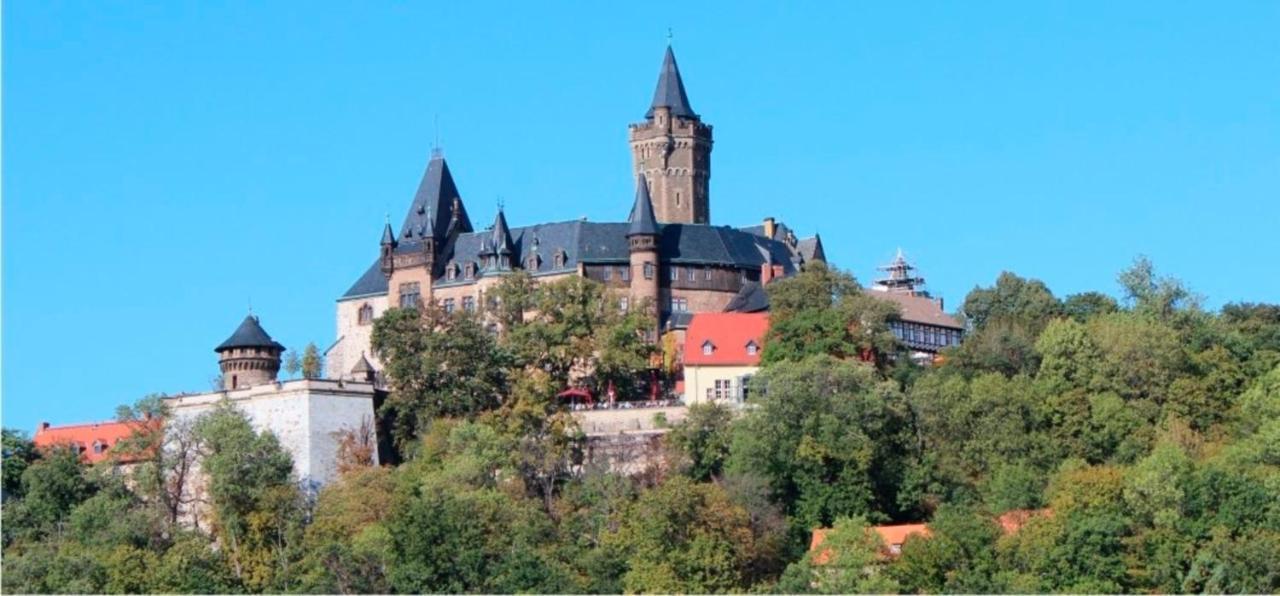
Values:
[(642, 238), (249, 357)]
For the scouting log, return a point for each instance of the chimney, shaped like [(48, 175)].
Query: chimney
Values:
[(43, 426), (769, 227)]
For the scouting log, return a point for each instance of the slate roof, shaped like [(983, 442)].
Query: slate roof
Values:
[(433, 205), (751, 298), (599, 242), (670, 91), (249, 334), (641, 218)]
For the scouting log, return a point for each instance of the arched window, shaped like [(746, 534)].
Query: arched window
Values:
[(366, 314)]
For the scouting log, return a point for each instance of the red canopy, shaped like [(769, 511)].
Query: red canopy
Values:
[(577, 392)]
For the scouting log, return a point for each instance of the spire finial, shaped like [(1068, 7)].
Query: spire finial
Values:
[(436, 149), (670, 35)]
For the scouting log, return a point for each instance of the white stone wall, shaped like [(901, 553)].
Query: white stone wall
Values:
[(353, 338), (306, 416)]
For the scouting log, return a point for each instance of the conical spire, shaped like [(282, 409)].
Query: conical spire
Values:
[(642, 219), (249, 334), (388, 236), (501, 234), (437, 205), (670, 92)]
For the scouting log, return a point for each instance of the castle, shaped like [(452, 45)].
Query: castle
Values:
[(666, 253)]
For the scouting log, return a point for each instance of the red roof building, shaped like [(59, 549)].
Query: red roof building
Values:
[(725, 339), (94, 441), (721, 352)]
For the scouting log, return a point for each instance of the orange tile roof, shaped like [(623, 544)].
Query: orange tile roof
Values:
[(729, 334), (893, 536), (84, 437)]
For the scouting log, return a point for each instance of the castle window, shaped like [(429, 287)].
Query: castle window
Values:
[(410, 294), (624, 273), (677, 198), (624, 303), (693, 274), (559, 259), (99, 447), (451, 271), (675, 273), (448, 305), (608, 273), (648, 270), (706, 273), (679, 304), (366, 314), (471, 271), (531, 263), (469, 303), (752, 348)]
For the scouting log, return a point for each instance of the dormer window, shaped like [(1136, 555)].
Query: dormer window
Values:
[(99, 447), (471, 271), (752, 348), (559, 258), (708, 348), (451, 271), (532, 263)]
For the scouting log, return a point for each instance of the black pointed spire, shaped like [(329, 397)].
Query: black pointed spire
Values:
[(670, 92), (437, 205), (388, 237), (501, 234), (642, 219)]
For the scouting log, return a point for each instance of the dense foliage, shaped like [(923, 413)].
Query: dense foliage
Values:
[(1139, 438)]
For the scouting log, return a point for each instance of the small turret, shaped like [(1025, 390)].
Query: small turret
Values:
[(387, 249), (642, 235), (249, 357)]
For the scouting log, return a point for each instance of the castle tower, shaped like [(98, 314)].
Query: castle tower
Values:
[(249, 357), (642, 236), (672, 149), (435, 218)]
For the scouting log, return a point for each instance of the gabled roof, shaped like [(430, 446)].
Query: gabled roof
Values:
[(729, 333), (433, 205), (641, 219), (918, 309), (670, 92), (249, 334)]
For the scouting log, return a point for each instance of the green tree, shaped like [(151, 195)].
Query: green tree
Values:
[(1086, 305), (1004, 322), (312, 362), (439, 364), (850, 560), (827, 436), (823, 311), (256, 507), (959, 556), (19, 452), (292, 363), (701, 441)]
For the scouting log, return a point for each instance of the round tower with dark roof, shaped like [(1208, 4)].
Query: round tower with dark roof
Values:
[(249, 357)]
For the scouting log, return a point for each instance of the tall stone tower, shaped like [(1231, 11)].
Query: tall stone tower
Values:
[(672, 150), (249, 357), (642, 237)]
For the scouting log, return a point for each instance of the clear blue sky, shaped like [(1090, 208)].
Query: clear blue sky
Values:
[(166, 163)]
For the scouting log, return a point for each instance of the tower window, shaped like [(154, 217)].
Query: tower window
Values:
[(648, 270), (675, 273), (410, 294), (693, 274), (366, 314), (677, 198)]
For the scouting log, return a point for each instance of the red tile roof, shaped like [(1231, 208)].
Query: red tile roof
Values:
[(918, 309), (893, 536), (84, 437), (728, 334)]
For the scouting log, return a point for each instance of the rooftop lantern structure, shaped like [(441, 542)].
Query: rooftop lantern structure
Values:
[(900, 277)]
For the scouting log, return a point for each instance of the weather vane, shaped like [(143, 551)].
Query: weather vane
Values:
[(670, 35)]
